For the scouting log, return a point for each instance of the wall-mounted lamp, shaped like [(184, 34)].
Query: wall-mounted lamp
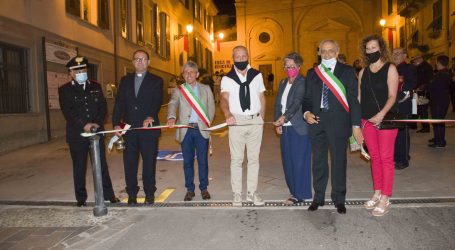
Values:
[(189, 30), (383, 22)]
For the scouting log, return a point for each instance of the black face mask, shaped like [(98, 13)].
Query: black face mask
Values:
[(373, 57), (241, 65)]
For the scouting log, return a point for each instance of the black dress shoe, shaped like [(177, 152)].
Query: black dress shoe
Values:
[(400, 166), (189, 196), (434, 145), (424, 130), (341, 209), (113, 199), (81, 204), (431, 140), (132, 201), (314, 206), (205, 194), (149, 200)]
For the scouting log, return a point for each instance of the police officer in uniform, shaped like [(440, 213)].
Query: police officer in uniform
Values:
[(84, 106)]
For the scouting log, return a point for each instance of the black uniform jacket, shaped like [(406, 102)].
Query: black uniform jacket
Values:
[(81, 106)]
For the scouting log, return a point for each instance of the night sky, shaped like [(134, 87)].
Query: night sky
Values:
[(225, 7)]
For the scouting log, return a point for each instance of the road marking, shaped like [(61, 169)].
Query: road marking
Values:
[(160, 199), (164, 195)]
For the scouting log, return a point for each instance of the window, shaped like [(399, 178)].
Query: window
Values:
[(157, 29), (389, 7), (197, 10), (205, 20), (95, 12), (154, 24), (164, 36), (92, 72), (13, 79), (186, 3), (139, 22), (124, 17), (402, 37), (437, 16), (103, 14), (209, 60)]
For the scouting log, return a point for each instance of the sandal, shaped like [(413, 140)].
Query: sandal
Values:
[(377, 211), (291, 201), (370, 204)]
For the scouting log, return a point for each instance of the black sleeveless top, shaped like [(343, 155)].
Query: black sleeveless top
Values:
[(378, 84)]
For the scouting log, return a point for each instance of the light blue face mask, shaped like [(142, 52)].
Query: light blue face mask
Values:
[(81, 78)]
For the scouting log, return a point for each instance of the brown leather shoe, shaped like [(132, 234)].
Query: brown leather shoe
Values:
[(205, 194), (189, 196)]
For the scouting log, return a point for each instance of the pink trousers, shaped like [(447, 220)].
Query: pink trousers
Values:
[(380, 145)]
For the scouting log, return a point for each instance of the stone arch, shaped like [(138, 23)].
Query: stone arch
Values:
[(266, 54), (339, 20)]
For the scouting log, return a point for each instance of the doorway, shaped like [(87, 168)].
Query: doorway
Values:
[(268, 77)]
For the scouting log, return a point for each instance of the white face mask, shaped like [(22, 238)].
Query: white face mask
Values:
[(81, 78), (329, 63)]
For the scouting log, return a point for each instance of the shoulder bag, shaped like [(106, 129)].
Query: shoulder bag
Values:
[(390, 115)]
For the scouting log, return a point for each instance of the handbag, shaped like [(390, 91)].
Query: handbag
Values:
[(390, 115), (422, 100)]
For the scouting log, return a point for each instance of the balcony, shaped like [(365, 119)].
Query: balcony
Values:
[(408, 8)]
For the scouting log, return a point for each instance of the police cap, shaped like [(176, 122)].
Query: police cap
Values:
[(77, 62)]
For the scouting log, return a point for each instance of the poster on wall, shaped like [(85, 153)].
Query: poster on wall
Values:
[(59, 53), (223, 65), (55, 80)]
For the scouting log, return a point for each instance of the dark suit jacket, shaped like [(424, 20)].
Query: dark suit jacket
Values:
[(439, 90), (313, 94), (133, 110), (409, 74), (294, 101), (80, 107)]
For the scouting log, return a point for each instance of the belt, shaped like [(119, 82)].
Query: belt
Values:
[(193, 125), (248, 116), (324, 110)]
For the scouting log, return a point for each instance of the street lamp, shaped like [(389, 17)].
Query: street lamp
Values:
[(189, 30)]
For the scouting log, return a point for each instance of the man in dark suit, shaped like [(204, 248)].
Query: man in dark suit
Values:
[(84, 106), (332, 121), (424, 76), (407, 83), (439, 90), (138, 103)]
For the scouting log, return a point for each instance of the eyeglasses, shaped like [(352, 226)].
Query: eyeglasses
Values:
[(140, 59), (290, 67)]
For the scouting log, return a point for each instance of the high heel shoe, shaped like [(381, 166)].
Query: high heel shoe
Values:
[(370, 204), (378, 211)]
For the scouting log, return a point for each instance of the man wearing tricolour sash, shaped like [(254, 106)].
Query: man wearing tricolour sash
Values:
[(197, 109), (243, 105), (331, 108)]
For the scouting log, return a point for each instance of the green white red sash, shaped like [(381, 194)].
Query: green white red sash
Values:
[(195, 103), (334, 84)]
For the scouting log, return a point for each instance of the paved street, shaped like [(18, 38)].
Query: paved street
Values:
[(36, 197)]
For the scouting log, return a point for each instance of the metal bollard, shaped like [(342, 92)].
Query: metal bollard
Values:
[(100, 208)]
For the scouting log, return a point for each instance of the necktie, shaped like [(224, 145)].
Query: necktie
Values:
[(325, 95)]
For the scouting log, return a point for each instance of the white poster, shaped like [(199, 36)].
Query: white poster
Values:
[(55, 80)]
